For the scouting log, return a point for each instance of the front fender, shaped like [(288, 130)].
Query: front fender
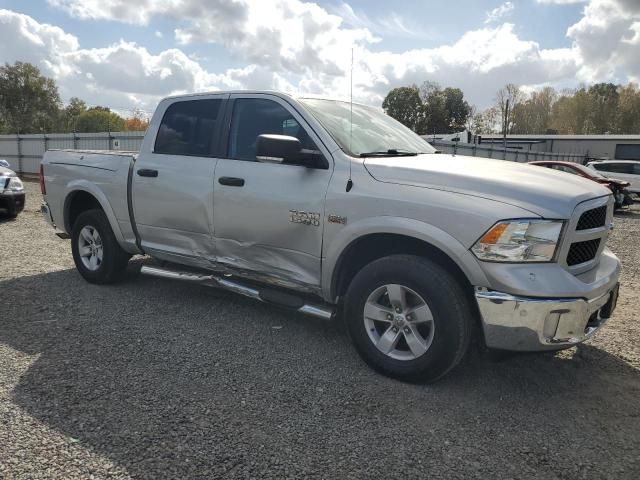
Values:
[(84, 185), (400, 226)]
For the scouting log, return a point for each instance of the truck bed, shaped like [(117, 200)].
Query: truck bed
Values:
[(107, 159), (104, 174)]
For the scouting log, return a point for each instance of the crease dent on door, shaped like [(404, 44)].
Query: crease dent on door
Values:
[(285, 268)]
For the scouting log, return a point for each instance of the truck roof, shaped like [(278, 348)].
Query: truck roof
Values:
[(269, 92)]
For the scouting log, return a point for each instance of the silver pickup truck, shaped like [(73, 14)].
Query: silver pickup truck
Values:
[(333, 209)]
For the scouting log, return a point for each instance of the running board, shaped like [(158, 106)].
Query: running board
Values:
[(265, 295)]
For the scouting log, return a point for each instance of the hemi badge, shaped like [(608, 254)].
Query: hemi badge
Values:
[(337, 219)]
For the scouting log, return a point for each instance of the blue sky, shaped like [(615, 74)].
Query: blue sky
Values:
[(130, 54)]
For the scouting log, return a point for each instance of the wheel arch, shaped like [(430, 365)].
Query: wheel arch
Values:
[(81, 198), (387, 236)]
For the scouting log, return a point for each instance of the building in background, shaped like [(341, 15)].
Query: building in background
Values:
[(610, 147)]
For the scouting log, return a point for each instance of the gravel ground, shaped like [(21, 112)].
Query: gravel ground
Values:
[(159, 379)]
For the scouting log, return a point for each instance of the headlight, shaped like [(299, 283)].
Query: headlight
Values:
[(519, 241), (15, 184)]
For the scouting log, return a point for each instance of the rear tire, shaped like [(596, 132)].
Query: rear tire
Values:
[(415, 303), (96, 252)]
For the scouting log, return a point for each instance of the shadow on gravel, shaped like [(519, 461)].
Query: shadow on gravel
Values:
[(172, 380), (5, 217), (628, 213)]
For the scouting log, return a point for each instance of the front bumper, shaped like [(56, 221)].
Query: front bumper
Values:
[(12, 201), (534, 324)]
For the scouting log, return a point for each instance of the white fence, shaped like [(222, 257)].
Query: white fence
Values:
[(24, 152), (501, 153)]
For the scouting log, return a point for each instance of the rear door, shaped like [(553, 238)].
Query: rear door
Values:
[(269, 217), (173, 180)]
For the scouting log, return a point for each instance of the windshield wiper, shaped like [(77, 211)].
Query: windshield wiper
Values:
[(392, 152)]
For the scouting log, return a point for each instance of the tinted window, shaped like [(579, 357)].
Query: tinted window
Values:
[(187, 128), (614, 167), (628, 152), (253, 117)]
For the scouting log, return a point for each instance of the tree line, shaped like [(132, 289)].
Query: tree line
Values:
[(601, 108), (30, 103)]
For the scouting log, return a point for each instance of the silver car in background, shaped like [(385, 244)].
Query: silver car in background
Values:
[(628, 170)]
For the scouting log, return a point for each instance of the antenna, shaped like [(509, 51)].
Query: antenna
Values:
[(350, 181)]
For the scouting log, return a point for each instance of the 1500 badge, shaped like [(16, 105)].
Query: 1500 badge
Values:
[(306, 218)]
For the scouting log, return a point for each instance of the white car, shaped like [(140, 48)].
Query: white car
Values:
[(628, 170)]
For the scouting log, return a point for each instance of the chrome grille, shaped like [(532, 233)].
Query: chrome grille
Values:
[(582, 252), (593, 218), (586, 234)]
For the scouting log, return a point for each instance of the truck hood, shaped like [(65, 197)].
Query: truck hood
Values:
[(544, 192)]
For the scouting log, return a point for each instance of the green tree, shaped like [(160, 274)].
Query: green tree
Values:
[(445, 111), (404, 105), (70, 114), (628, 112), (457, 108), (534, 115), (99, 119), (435, 119), (507, 100), (604, 104), (572, 113), (29, 101)]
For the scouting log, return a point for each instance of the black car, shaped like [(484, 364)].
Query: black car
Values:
[(11, 192)]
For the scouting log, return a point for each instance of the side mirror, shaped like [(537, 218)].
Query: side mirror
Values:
[(277, 148), (271, 148)]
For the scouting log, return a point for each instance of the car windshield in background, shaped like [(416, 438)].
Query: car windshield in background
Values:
[(374, 133)]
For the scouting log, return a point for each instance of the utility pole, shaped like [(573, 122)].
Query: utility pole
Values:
[(505, 121)]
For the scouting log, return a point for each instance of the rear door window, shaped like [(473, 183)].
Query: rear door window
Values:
[(188, 128)]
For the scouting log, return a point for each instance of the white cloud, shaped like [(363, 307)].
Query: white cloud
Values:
[(500, 12), (310, 48), (562, 2), (394, 25), (301, 47), (29, 41), (158, 34), (607, 39)]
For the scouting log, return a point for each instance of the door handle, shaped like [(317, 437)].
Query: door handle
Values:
[(231, 181), (147, 172)]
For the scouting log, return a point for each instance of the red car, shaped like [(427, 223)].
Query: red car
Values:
[(618, 187)]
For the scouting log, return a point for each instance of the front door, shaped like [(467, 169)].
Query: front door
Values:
[(173, 181), (269, 217)]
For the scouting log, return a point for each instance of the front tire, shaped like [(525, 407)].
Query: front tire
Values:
[(408, 318), (96, 252)]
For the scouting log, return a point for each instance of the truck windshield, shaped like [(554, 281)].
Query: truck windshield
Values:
[(374, 132)]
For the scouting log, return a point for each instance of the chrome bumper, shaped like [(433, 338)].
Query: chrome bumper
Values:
[(534, 324)]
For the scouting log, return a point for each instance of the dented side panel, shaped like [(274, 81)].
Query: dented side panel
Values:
[(272, 225)]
